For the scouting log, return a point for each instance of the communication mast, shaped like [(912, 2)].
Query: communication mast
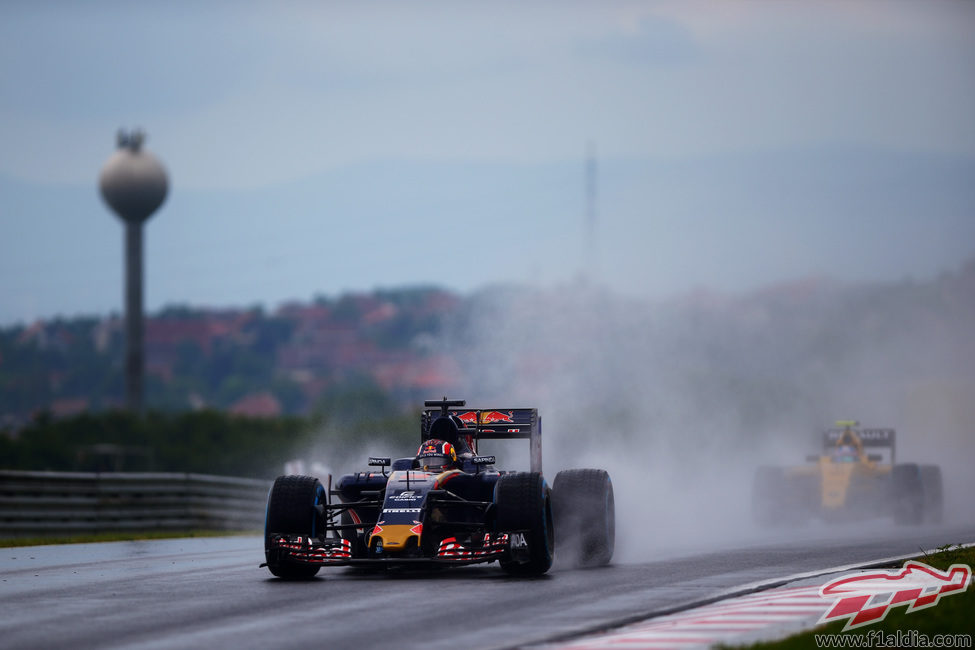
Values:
[(590, 252)]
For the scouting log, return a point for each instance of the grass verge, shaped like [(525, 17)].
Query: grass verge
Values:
[(952, 615)]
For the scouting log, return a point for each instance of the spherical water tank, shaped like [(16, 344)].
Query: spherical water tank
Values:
[(133, 181)]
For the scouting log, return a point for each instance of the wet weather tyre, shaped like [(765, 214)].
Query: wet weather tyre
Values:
[(523, 503), (908, 494), (584, 510), (932, 487), (291, 510)]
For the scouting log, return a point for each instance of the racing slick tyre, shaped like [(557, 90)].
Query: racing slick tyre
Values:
[(523, 503), (584, 510), (933, 489), (291, 510), (908, 494)]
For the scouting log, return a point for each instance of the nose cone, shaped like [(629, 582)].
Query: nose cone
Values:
[(133, 183), (399, 537)]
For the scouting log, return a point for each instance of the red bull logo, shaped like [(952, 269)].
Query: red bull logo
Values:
[(490, 417), (487, 417), (868, 597)]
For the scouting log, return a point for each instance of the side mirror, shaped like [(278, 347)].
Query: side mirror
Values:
[(375, 461)]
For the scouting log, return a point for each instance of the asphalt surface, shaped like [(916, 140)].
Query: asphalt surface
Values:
[(195, 593)]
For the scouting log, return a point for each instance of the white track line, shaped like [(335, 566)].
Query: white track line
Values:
[(705, 626)]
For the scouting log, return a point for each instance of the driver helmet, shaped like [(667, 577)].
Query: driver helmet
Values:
[(847, 453), (436, 456)]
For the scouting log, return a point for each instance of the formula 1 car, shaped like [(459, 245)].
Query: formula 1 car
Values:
[(847, 483), (467, 514)]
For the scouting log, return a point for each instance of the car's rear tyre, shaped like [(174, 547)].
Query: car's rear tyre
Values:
[(291, 510), (584, 510), (907, 494), (523, 503), (933, 487)]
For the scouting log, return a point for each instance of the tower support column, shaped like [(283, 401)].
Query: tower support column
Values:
[(134, 322)]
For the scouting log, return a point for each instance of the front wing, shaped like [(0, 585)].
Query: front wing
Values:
[(339, 552)]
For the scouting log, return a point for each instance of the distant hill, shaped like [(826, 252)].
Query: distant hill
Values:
[(244, 361), (787, 356)]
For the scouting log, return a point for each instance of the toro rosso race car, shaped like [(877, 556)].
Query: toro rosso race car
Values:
[(855, 477), (447, 505)]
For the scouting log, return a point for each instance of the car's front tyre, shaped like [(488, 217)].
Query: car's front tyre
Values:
[(291, 511), (908, 494)]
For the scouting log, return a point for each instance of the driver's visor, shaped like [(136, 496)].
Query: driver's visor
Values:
[(435, 462)]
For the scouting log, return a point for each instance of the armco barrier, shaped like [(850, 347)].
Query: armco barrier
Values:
[(58, 503)]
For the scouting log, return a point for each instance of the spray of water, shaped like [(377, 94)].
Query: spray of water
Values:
[(680, 401)]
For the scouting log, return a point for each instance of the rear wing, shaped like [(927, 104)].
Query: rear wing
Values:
[(494, 424), (871, 439)]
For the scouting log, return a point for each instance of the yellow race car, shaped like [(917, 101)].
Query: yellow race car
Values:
[(855, 477)]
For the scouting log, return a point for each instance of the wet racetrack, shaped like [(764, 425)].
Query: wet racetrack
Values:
[(192, 593)]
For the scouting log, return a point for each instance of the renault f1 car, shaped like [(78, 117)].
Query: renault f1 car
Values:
[(855, 477), (405, 514)]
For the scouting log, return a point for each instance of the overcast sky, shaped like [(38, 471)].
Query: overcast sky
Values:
[(314, 148)]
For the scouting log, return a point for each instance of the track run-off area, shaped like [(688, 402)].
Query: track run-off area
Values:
[(209, 592)]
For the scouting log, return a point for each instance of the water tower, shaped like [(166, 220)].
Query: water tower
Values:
[(133, 184)]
